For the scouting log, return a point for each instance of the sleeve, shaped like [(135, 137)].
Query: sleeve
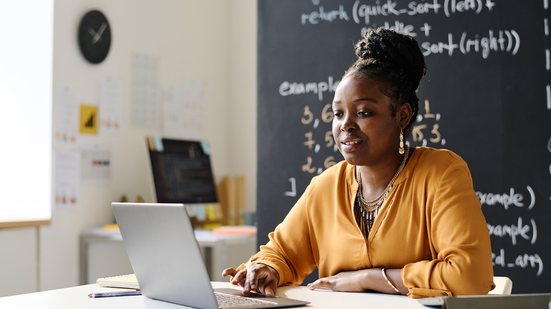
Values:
[(289, 249), (459, 239)]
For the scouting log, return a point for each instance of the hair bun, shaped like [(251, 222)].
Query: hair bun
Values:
[(392, 49), (370, 47)]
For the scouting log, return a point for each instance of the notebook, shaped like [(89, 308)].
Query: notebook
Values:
[(128, 281), (167, 261)]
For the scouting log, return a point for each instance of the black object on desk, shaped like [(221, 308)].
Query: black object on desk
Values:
[(182, 171), (525, 301)]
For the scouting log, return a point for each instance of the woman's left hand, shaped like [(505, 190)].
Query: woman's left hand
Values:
[(346, 281)]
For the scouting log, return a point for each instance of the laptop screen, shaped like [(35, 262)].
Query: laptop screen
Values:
[(182, 171)]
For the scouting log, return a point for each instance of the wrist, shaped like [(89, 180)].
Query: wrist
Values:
[(368, 280), (375, 281), (389, 281), (275, 273), (272, 271)]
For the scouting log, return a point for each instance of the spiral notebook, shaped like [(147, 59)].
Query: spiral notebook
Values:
[(123, 281)]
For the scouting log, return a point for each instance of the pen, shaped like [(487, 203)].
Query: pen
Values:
[(114, 294)]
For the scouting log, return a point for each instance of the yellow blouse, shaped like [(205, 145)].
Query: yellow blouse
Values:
[(431, 226)]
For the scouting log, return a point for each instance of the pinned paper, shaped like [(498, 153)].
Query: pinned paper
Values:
[(96, 165), (88, 119), (110, 104), (67, 178), (66, 114)]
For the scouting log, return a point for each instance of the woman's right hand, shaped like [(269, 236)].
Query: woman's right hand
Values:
[(254, 278)]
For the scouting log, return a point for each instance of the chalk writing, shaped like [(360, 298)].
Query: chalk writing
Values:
[(461, 6), (318, 125), (549, 149), (515, 230), (427, 128), (309, 142), (507, 199), (483, 43), (507, 41), (525, 260), (308, 116), (329, 140), (362, 13), (327, 113), (503, 40), (548, 96), (307, 167), (293, 191), (397, 26), (329, 161), (287, 88), (321, 15)]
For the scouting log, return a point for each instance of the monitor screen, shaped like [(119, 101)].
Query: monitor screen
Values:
[(181, 170)]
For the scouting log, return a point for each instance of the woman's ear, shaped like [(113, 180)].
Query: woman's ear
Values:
[(404, 114)]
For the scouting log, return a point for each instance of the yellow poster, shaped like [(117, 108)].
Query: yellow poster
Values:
[(88, 119)]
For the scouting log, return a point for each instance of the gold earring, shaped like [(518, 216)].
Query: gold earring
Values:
[(401, 149)]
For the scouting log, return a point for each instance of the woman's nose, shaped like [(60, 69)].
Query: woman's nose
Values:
[(347, 124)]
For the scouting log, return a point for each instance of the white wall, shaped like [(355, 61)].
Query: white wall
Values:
[(212, 42), (18, 261), (242, 90)]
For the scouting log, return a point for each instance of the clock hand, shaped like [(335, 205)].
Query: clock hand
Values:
[(92, 32), (98, 34), (102, 29)]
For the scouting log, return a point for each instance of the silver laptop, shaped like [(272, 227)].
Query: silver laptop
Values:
[(167, 261), (514, 301)]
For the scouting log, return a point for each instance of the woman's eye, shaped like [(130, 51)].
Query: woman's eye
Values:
[(337, 114), (364, 113)]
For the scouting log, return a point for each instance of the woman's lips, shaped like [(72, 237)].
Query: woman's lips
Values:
[(350, 145)]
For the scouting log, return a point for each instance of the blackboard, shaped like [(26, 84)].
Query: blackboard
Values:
[(487, 96)]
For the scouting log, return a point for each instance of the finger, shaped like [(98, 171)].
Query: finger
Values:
[(248, 286), (260, 284), (265, 285), (321, 283), (269, 291), (261, 289), (229, 272), (251, 282), (239, 278), (313, 285)]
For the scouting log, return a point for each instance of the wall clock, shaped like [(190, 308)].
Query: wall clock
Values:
[(94, 36)]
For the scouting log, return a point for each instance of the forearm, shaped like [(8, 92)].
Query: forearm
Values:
[(363, 280), (375, 281)]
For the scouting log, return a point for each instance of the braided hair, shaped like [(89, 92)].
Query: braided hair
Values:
[(395, 60)]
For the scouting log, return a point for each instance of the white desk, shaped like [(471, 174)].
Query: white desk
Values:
[(77, 297), (102, 253)]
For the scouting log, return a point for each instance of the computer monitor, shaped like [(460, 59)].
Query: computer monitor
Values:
[(182, 171)]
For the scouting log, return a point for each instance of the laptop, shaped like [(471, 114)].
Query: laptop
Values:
[(514, 301), (167, 261)]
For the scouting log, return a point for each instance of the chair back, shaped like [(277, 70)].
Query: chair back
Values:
[(504, 285)]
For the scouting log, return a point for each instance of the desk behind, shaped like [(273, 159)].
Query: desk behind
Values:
[(102, 253), (77, 297)]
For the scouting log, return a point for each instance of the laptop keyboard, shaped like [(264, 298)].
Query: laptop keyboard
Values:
[(229, 301)]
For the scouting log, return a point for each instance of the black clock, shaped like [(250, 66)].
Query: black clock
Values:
[(94, 36)]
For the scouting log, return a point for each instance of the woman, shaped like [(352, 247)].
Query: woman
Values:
[(388, 218)]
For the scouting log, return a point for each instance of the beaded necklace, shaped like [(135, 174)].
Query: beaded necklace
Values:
[(367, 211)]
